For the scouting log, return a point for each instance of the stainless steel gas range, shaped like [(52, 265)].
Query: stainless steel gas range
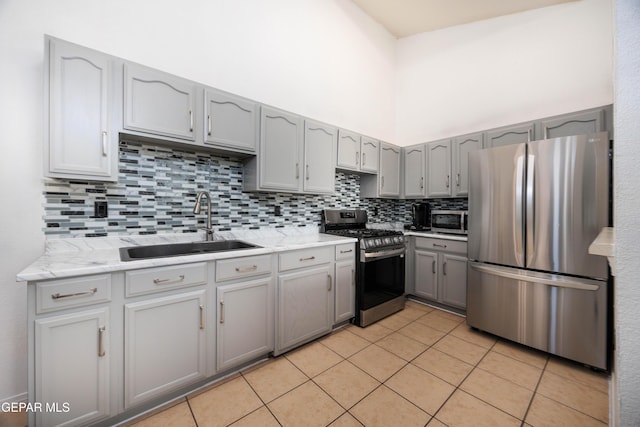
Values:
[(379, 267)]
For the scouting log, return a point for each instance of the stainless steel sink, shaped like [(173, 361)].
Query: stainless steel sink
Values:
[(135, 253)]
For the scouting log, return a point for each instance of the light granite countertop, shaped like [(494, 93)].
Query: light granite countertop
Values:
[(82, 256), (605, 245)]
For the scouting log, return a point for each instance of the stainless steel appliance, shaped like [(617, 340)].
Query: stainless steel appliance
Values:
[(420, 216), (448, 221), (534, 209), (380, 264)]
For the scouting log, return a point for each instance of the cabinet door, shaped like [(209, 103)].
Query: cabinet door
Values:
[(230, 121), (414, 171), (280, 141), (80, 143), (345, 290), (158, 103), (245, 322), (164, 345), (581, 123), (72, 367), (348, 150), (389, 175), (509, 135), (461, 147), (453, 284), (370, 155), (426, 274), (305, 309), (439, 169), (319, 157)]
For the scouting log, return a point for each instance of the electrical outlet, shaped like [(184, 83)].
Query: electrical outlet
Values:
[(100, 209)]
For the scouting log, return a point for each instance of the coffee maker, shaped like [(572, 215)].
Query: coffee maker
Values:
[(421, 215)]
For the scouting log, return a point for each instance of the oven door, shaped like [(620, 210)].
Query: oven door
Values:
[(380, 277)]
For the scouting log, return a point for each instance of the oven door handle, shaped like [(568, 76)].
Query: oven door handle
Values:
[(370, 256)]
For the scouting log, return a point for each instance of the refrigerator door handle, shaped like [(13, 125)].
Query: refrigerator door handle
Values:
[(541, 278), (531, 208), (518, 206)]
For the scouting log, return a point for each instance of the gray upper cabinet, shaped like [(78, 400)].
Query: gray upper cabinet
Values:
[(439, 168), (461, 146), (508, 135), (415, 159), (81, 142), (370, 152), (584, 122), (231, 122), (158, 103), (348, 150), (389, 174), (320, 142), (281, 136)]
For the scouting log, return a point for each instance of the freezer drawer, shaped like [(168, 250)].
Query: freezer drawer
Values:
[(557, 314)]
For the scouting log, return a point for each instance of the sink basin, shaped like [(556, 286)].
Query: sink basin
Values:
[(180, 249)]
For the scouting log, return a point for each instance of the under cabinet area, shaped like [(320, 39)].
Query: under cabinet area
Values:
[(440, 271)]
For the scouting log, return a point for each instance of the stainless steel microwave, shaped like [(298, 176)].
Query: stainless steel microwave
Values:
[(449, 221)]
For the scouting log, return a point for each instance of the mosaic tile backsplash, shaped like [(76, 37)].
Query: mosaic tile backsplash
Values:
[(156, 192)]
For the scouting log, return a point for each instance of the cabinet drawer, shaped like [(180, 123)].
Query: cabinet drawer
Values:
[(238, 268), (149, 280), (64, 293), (305, 258), (345, 251), (442, 245)]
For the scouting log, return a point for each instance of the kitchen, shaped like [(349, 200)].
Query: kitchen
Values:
[(356, 107)]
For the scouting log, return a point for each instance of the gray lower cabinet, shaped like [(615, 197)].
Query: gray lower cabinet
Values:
[(164, 345), (245, 310), (81, 143), (440, 271), (231, 122), (158, 103), (304, 296), (345, 286), (415, 164)]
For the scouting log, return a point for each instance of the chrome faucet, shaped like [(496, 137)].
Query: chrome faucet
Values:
[(196, 210)]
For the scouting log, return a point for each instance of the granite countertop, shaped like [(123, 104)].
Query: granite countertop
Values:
[(82, 256), (605, 245)]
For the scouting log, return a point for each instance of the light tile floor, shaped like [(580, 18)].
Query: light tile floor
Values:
[(421, 366)]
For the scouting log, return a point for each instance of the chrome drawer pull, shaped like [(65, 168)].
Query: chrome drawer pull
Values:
[(246, 269), (308, 259), (436, 245), (346, 252), (101, 351), (330, 282), (78, 294), (168, 281), (201, 316), (221, 311)]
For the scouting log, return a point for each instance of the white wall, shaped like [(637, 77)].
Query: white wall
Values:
[(626, 376), (504, 70), (320, 58)]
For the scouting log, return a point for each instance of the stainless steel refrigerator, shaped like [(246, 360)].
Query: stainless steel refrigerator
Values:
[(533, 211)]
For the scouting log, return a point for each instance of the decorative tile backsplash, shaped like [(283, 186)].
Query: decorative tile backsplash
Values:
[(156, 192)]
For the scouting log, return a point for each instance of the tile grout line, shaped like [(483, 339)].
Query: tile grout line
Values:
[(535, 391)]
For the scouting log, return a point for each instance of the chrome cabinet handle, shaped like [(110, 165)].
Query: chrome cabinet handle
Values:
[(364, 158), (105, 145), (346, 252), (168, 281), (422, 182), (382, 182), (101, 331), (190, 121), (221, 311), (330, 282), (437, 245), (297, 170), (457, 180), (308, 259), (448, 176), (246, 269), (201, 316), (357, 157), (307, 172), (353, 277), (444, 268), (90, 292), (433, 266), (209, 124)]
